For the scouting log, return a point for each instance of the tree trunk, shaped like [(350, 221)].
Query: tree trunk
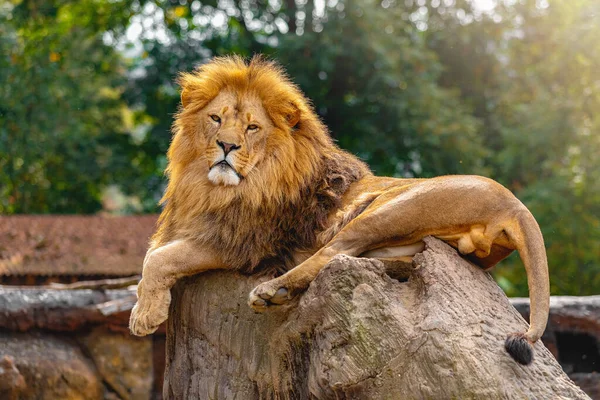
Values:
[(434, 331)]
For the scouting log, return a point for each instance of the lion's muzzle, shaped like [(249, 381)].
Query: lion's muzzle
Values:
[(222, 172)]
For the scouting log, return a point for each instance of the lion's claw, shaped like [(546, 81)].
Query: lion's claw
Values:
[(260, 303), (267, 294), (280, 296)]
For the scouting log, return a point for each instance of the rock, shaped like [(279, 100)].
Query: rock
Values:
[(24, 308), (158, 356), (573, 337), (123, 361), (356, 333), (95, 317), (53, 367), (589, 382), (569, 315), (11, 381)]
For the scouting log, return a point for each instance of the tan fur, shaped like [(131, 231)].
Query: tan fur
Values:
[(292, 172), (290, 195)]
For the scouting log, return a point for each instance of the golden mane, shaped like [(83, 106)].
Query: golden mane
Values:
[(295, 187)]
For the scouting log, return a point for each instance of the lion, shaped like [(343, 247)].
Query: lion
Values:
[(255, 178)]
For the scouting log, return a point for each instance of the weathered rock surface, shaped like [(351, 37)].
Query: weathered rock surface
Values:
[(576, 315), (52, 367), (573, 333), (86, 326), (588, 382), (356, 334), (573, 337), (25, 308), (12, 382), (124, 362)]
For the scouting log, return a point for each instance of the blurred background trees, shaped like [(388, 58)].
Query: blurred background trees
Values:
[(63, 121), (508, 88)]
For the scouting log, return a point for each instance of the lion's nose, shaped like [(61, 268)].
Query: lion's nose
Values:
[(227, 147)]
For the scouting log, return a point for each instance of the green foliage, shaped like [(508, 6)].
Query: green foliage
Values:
[(414, 88), (64, 130), (382, 99), (549, 118)]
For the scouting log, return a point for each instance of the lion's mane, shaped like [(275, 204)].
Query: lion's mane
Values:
[(284, 203)]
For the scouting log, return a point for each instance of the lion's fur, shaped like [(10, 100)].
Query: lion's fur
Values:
[(291, 192), (284, 203), (347, 214)]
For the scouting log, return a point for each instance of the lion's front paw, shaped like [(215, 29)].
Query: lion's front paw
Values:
[(269, 293), (149, 312)]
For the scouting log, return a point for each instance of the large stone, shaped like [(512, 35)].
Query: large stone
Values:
[(25, 308), (123, 361), (53, 367), (573, 336), (96, 317), (12, 382), (589, 382), (356, 333)]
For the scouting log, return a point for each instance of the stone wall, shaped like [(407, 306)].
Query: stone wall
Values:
[(74, 344)]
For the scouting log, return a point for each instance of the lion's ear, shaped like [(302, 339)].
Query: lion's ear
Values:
[(294, 117)]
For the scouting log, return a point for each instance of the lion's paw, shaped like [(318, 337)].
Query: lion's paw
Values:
[(268, 294), (149, 312)]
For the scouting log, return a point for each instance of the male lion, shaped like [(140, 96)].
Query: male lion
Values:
[(255, 177)]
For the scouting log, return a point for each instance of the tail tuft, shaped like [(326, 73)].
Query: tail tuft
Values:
[(519, 348)]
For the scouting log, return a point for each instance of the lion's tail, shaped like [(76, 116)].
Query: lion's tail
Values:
[(527, 237)]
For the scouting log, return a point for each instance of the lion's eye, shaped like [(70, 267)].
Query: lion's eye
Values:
[(252, 127), (215, 118)]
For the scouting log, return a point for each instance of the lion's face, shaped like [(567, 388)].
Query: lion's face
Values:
[(246, 143), (244, 133), (235, 132)]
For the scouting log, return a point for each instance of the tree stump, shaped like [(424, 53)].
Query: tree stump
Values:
[(434, 330)]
